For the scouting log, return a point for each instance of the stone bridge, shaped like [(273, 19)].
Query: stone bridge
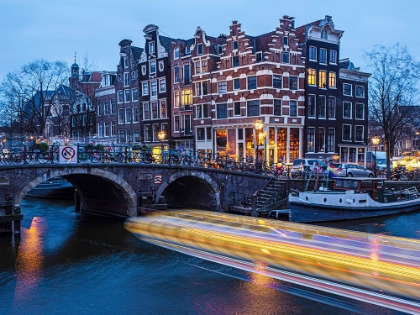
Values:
[(123, 189)]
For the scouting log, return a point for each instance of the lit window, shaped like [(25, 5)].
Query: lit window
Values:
[(186, 97), (322, 79), (332, 80), (311, 76)]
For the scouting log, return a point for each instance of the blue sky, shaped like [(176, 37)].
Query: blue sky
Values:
[(55, 30)]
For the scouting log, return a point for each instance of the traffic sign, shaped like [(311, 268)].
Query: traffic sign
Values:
[(68, 154)]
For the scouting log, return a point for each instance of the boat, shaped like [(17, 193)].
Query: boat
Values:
[(54, 188), (351, 198)]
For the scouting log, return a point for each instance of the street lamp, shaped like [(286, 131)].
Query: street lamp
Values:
[(259, 125), (375, 142), (161, 137)]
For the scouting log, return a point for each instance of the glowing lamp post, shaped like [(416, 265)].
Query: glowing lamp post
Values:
[(375, 142), (259, 126), (161, 137)]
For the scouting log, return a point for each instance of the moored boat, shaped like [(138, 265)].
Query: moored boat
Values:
[(351, 198), (54, 188)]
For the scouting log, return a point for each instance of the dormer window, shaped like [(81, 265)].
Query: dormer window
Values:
[(286, 41), (151, 47), (235, 45), (220, 49), (200, 49), (258, 56), (176, 53), (188, 50), (324, 34)]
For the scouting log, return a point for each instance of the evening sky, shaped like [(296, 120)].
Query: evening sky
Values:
[(55, 30)]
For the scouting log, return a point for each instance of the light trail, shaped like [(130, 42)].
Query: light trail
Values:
[(351, 264)]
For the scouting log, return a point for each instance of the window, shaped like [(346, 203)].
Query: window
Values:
[(276, 81), (237, 109), (293, 108), (126, 79), (145, 88), (277, 107), (346, 132), (358, 133), (201, 66), (162, 85), (322, 106), (176, 53), (235, 61), (187, 74), (100, 129), (312, 53), (222, 110), (331, 140), (202, 110), (235, 45), (332, 80), (333, 56), (201, 134), (146, 111), (360, 111), (176, 98), (359, 91), (135, 95), (322, 79), (253, 108), (200, 49), (127, 95), (100, 113), (311, 106), (258, 56), (322, 56), (220, 49), (346, 110), (188, 50), (106, 107), (128, 115), (285, 57), (107, 129), (147, 133), (324, 34), (236, 84), (331, 108), (311, 76), (125, 62), (153, 88), (151, 47), (163, 109), (155, 110), (310, 137), (112, 106), (293, 83), (176, 123), (152, 66), (176, 74), (285, 41), (321, 139), (136, 114), (186, 97), (347, 89), (201, 88), (252, 83), (222, 87), (121, 115), (120, 96)]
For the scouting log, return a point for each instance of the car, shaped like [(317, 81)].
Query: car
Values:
[(307, 167), (349, 170)]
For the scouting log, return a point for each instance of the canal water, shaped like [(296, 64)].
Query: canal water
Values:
[(71, 263)]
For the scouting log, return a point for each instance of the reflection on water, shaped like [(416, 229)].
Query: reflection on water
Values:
[(69, 263)]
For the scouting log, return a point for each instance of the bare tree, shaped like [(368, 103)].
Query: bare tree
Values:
[(393, 94), (32, 95)]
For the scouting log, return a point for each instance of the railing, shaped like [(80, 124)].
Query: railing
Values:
[(125, 154)]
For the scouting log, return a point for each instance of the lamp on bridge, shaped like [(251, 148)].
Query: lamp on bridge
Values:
[(259, 126), (375, 142), (161, 137)]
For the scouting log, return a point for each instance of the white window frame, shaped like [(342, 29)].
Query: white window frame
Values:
[(162, 83), (151, 64), (351, 89), (176, 53), (145, 88)]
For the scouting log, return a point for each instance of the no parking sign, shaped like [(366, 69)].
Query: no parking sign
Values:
[(68, 154)]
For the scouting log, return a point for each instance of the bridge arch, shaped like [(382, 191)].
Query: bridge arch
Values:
[(99, 190), (190, 188)]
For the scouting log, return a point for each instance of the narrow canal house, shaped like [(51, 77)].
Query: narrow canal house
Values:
[(335, 119), (254, 78), (127, 94), (154, 78)]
